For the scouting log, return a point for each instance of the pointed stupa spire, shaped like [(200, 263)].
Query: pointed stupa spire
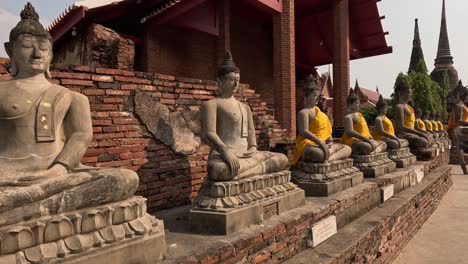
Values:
[(444, 61), (444, 55), (417, 53)]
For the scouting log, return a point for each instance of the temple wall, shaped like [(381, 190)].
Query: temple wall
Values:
[(150, 123)]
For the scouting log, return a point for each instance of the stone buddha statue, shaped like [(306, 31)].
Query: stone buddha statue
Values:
[(383, 128), (46, 130), (405, 117), (419, 124), (228, 128), (438, 119), (357, 134), (458, 120), (314, 142)]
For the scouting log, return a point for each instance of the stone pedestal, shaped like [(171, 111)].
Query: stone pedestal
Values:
[(402, 157), (225, 207), (324, 179), (374, 165), (116, 233)]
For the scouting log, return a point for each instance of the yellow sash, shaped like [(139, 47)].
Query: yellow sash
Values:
[(320, 127), (388, 127), (360, 127)]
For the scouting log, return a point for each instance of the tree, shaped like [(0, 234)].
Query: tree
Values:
[(369, 114)]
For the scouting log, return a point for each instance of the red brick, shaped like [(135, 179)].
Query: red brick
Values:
[(108, 136), (93, 92), (168, 101), (125, 121), (71, 75), (115, 164), (97, 129), (119, 114), (76, 82), (121, 128), (112, 100), (164, 77), (93, 152), (132, 80), (114, 72), (102, 78), (261, 257), (111, 143), (99, 114), (117, 92), (82, 68), (133, 155), (103, 122), (89, 159)]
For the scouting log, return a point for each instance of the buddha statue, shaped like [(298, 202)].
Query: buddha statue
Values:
[(405, 117), (228, 128), (383, 128), (357, 134), (458, 120), (435, 126), (46, 130), (438, 119), (419, 124), (429, 126), (314, 142)]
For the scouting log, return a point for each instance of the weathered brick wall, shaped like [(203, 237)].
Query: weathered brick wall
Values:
[(121, 139)]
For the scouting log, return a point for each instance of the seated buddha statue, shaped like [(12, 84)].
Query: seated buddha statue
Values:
[(227, 127), (419, 124), (440, 125), (405, 116), (458, 121), (429, 126), (357, 134), (314, 142), (383, 128), (435, 126), (46, 130)]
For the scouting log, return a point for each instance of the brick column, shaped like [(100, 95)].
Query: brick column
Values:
[(284, 68), (340, 60), (224, 38)]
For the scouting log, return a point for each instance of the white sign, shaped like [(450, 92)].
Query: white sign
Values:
[(387, 192), (323, 230)]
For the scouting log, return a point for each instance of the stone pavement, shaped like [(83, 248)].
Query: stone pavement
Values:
[(444, 237)]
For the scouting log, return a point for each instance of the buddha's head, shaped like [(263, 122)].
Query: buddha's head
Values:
[(30, 45), (432, 116), (228, 75), (425, 115), (403, 91), (312, 91), (381, 106), (463, 94), (352, 101), (438, 116), (418, 113)]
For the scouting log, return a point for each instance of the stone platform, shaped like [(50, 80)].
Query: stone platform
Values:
[(380, 235), (313, 225), (225, 207), (119, 233), (324, 179), (402, 157), (374, 165)]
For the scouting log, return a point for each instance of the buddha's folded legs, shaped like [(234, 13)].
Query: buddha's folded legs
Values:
[(313, 153), (262, 162), (415, 141), (393, 144), (364, 148), (68, 192)]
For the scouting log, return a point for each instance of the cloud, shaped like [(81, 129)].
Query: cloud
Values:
[(7, 22)]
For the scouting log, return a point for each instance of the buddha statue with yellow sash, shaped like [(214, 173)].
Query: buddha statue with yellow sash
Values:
[(314, 142), (458, 121), (383, 128), (357, 134), (405, 116), (419, 124)]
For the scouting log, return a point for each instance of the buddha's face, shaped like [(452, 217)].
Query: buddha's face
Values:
[(406, 95), (230, 82), (31, 54), (354, 106), (313, 97), (382, 109)]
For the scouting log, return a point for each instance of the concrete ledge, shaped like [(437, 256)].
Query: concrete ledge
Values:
[(380, 235), (330, 187)]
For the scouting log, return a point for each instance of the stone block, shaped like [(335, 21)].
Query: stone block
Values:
[(374, 165), (327, 188)]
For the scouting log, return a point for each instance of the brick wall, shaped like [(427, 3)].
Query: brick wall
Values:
[(180, 52), (122, 140)]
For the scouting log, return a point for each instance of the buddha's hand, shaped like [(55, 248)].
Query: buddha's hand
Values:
[(56, 170), (249, 152), (233, 162), (326, 151), (372, 143)]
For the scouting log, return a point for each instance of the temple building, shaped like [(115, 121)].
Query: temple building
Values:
[(275, 43), (368, 98), (444, 59)]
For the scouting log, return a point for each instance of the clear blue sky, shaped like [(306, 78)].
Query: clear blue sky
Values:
[(371, 72)]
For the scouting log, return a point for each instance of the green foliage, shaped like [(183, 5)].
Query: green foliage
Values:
[(369, 114), (421, 67), (445, 90)]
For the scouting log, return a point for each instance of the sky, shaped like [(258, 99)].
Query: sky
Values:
[(371, 72)]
